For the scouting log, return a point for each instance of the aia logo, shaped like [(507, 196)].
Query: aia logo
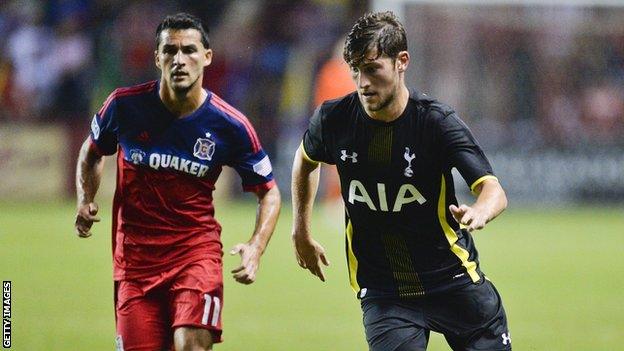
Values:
[(144, 137)]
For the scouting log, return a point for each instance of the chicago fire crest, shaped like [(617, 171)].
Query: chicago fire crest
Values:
[(136, 156), (204, 148)]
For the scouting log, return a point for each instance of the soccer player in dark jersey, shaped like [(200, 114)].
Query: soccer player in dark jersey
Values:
[(411, 257), (172, 138)]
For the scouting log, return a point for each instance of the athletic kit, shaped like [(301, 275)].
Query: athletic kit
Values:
[(409, 261), (166, 242)]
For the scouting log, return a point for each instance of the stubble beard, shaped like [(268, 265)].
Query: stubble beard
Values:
[(183, 90), (375, 107), (383, 104)]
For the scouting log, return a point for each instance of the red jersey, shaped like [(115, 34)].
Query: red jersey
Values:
[(163, 214)]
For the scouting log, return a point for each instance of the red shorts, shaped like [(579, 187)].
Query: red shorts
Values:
[(149, 309)]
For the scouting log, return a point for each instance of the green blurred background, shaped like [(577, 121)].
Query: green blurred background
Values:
[(560, 272)]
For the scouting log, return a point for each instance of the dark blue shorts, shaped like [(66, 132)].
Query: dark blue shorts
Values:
[(470, 318)]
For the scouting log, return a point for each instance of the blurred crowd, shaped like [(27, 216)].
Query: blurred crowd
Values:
[(532, 77), (63, 57), (47, 61), (524, 77)]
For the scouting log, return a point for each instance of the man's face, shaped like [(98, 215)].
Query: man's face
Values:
[(377, 80), (181, 57)]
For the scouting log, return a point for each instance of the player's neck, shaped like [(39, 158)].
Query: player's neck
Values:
[(394, 109), (182, 104)]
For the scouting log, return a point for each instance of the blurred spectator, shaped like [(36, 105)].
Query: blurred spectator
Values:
[(8, 107), (6, 104), (134, 33), (334, 77), (603, 112), (333, 81), (30, 50), (73, 53)]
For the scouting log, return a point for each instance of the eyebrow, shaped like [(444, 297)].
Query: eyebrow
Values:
[(370, 63), (170, 46)]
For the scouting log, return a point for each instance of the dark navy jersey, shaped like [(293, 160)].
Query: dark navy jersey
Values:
[(167, 167), (396, 182)]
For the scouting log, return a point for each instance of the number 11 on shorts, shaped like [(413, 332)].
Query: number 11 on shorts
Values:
[(210, 300)]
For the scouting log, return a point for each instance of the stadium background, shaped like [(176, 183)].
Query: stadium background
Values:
[(541, 84)]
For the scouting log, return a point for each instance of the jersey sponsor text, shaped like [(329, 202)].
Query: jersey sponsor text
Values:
[(407, 194), (157, 161)]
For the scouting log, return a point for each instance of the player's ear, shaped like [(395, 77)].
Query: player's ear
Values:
[(208, 57), (402, 61), (157, 59)]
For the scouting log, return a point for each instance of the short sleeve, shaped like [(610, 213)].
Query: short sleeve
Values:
[(462, 151), (314, 143), (251, 162), (104, 127)]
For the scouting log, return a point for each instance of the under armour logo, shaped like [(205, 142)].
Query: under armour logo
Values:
[(506, 338), (409, 158), (344, 156)]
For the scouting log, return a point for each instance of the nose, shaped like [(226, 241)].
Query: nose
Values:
[(362, 81), (177, 58)]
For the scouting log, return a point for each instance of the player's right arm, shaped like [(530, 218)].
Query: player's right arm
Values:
[(102, 141), (305, 180), (88, 176)]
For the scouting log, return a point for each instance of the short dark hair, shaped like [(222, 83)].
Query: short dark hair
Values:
[(381, 30), (182, 20)]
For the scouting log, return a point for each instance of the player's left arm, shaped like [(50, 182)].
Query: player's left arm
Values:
[(254, 167), (463, 152), (269, 203), (491, 202)]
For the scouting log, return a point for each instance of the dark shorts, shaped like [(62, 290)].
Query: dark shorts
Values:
[(148, 310), (470, 318)]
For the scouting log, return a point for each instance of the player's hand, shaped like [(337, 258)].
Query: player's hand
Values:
[(85, 218), (250, 259), (469, 216), (310, 255)]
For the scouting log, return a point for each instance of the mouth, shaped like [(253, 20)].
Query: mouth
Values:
[(368, 94), (179, 74)]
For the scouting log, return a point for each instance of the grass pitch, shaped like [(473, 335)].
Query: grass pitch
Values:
[(560, 272)]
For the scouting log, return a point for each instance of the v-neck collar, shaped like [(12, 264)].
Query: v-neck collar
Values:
[(192, 116)]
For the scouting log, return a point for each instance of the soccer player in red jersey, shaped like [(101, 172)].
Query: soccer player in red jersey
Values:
[(172, 138)]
